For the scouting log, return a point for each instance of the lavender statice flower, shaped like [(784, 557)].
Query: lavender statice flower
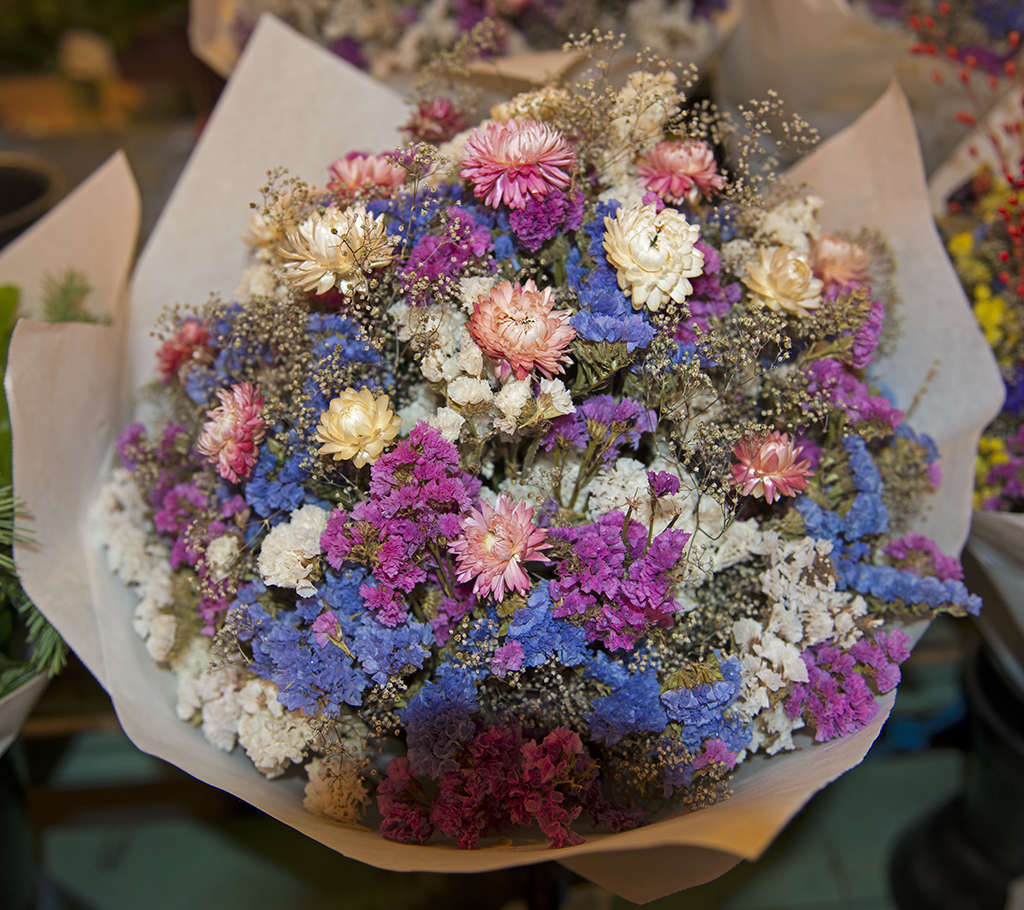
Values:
[(436, 261), (835, 701), (921, 555), (544, 217), (881, 658), (612, 424), (613, 582)]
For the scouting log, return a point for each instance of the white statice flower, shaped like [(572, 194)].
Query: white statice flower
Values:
[(473, 288), (554, 399), (625, 487), (448, 423), (511, 401), (337, 249), (536, 485), (470, 394), (162, 631), (793, 224), (271, 736), (471, 358), (774, 730), (221, 555), (653, 254), (422, 406), (335, 790), (801, 583), (740, 541), (640, 112), (259, 280), (289, 552), (208, 694)]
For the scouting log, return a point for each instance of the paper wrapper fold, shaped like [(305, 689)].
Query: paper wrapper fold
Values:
[(995, 561), (291, 103), (829, 64)]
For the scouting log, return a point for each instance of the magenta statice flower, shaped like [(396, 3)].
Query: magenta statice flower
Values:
[(881, 657), (437, 260), (714, 751), (922, 556), (836, 700)]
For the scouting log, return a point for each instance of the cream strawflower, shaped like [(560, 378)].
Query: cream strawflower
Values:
[(356, 427), (337, 248), (653, 254), (783, 281)]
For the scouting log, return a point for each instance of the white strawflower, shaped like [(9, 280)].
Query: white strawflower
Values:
[(221, 554), (653, 254), (337, 248), (783, 280), (289, 552), (793, 224)]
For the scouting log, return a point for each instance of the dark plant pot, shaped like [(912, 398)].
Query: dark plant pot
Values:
[(964, 856), (29, 187)]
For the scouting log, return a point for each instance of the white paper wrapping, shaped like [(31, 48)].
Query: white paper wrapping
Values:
[(291, 103)]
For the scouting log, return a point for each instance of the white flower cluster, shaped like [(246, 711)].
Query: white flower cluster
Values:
[(209, 693), (271, 736), (120, 514), (289, 552), (335, 790), (807, 610)]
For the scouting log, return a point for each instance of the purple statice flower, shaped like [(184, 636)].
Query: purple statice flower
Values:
[(699, 711), (416, 497), (866, 337), (709, 299), (440, 720), (715, 751), (349, 49), (437, 261), (545, 217), (662, 483), (922, 556), (835, 701), (507, 658), (614, 423), (828, 378), (614, 583), (635, 707), (881, 658)]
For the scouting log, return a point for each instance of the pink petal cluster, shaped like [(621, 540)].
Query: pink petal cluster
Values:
[(516, 327), (358, 171), (681, 170), (493, 545), (435, 121), (508, 161), (189, 345), (770, 468), (838, 261), (234, 431)]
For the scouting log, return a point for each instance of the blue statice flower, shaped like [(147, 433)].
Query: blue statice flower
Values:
[(633, 707), (889, 584), (700, 710), (309, 677), (543, 637), (441, 720), (271, 497), (384, 652)]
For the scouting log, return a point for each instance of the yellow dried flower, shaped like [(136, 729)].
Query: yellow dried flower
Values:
[(357, 427), (783, 281)]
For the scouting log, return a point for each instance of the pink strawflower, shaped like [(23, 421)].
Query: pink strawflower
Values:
[(838, 261), (681, 170), (510, 160), (435, 122), (517, 328), (357, 171), (231, 436), (189, 345), (493, 545), (769, 468)]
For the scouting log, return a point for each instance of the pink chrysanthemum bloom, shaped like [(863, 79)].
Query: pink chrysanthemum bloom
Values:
[(516, 327), (508, 161), (769, 468), (493, 545), (234, 431), (435, 121), (189, 345), (358, 171), (682, 169), (839, 261)]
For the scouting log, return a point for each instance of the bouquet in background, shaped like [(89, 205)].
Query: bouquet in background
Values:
[(623, 525), (389, 39)]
